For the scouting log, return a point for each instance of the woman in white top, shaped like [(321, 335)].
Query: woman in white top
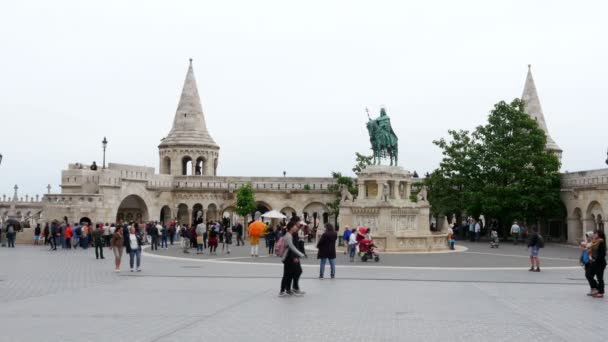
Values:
[(134, 242)]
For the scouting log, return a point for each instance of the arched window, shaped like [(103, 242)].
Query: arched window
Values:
[(199, 168), (166, 166), (187, 166)]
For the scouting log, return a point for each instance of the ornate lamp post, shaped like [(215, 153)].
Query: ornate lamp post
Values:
[(606, 158), (284, 172), (104, 143)]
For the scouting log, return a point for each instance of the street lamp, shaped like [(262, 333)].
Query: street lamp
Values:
[(606, 158), (104, 142), (0, 159), (284, 172)]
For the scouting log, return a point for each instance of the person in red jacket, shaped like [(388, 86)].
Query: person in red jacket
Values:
[(68, 236)]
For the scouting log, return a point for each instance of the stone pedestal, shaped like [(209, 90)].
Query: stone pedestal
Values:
[(397, 223)]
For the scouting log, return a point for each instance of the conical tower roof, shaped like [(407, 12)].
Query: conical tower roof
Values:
[(189, 127), (533, 108)]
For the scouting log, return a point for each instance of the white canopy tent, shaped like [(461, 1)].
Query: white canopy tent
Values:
[(273, 214)]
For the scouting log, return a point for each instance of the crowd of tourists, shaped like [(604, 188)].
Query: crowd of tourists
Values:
[(285, 240)]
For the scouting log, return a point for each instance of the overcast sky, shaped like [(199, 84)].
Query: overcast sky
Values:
[(284, 84)]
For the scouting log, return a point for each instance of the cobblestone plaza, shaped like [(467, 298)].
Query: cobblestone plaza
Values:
[(477, 294)]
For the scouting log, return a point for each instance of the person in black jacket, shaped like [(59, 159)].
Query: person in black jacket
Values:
[(134, 242), (327, 250), (597, 264)]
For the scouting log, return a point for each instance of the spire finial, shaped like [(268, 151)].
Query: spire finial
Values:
[(190, 59), (529, 66)]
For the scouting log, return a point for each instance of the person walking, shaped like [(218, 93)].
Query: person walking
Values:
[(106, 235), (254, 241), (117, 243), (171, 232), (134, 242), (291, 262), (200, 237), (185, 236), (11, 232), (597, 264), (67, 235), (46, 233), (227, 240), (76, 233), (534, 244), (515, 229), (154, 233), (477, 231), (326, 248), (451, 237), (53, 236), (98, 241), (345, 239), (584, 259), (37, 234), (271, 237), (212, 241), (164, 235), (239, 235), (352, 245)]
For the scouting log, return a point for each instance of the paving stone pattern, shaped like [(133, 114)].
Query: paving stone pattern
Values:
[(70, 296)]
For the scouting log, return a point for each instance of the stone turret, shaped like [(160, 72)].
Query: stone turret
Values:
[(189, 149), (533, 108)]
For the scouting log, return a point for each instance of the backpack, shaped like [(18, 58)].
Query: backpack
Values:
[(279, 248), (540, 242), (11, 229)]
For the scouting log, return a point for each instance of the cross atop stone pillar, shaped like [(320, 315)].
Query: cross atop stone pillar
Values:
[(48, 189), (15, 197), (37, 198)]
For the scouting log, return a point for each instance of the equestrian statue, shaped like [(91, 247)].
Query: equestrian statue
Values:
[(382, 138)]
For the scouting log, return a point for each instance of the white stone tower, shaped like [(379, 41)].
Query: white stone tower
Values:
[(533, 108), (188, 149)]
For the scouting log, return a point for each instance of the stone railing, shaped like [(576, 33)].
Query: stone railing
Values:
[(70, 199), (233, 183), (582, 179)]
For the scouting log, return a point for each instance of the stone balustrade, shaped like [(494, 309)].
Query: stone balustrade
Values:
[(583, 179)]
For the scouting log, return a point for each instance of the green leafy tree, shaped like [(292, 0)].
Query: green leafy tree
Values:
[(502, 170), (245, 201), (341, 181), (361, 162)]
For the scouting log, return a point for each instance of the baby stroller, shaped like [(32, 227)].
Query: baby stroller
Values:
[(494, 242), (367, 251)]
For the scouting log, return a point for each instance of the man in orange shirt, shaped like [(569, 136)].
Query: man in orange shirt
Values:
[(67, 235)]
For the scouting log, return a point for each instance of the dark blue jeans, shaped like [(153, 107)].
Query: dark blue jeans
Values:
[(332, 264)]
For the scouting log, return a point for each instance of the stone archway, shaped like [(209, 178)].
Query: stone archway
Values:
[(166, 166), (314, 213), (165, 214), (187, 166), (182, 214), (289, 212), (594, 216), (212, 212), (198, 216), (132, 209)]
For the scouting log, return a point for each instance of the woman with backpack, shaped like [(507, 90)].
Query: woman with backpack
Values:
[(327, 250)]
